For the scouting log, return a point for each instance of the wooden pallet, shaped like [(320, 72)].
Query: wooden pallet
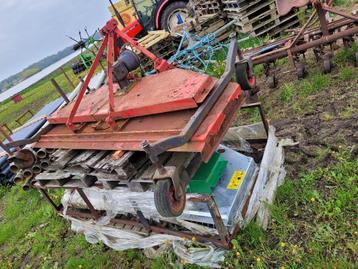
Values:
[(153, 38), (280, 24), (264, 20), (250, 13)]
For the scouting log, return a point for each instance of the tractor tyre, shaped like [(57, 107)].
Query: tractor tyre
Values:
[(165, 201), (168, 17)]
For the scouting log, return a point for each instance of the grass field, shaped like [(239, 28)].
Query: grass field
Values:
[(35, 97)]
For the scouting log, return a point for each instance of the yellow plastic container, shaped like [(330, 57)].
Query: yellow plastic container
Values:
[(127, 12)]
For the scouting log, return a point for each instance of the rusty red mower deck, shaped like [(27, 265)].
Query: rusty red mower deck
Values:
[(132, 132), (175, 89)]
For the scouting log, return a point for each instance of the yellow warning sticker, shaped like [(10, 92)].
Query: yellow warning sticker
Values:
[(236, 180)]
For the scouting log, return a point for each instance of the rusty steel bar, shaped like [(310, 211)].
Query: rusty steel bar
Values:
[(7, 128), (60, 90), (19, 118), (86, 83), (58, 208), (322, 18), (31, 140), (314, 43), (215, 214), (262, 114), (9, 139), (301, 30), (5, 148), (67, 77), (94, 212), (110, 56), (337, 12)]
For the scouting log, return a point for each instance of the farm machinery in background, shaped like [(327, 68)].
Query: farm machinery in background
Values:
[(88, 49), (319, 33), (149, 15)]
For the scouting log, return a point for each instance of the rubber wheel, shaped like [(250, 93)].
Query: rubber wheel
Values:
[(165, 201), (272, 82), (78, 68), (168, 11), (327, 66), (242, 77)]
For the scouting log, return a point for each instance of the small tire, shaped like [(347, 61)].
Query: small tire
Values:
[(242, 77), (169, 10), (165, 201)]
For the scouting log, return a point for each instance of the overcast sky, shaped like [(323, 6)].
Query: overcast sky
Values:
[(33, 29)]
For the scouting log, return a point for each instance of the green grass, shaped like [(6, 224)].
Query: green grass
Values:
[(345, 3), (345, 55), (313, 223), (35, 97), (295, 93), (287, 91), (347, 73)]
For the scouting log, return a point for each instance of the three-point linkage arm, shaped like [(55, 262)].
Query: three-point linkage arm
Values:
[(111, 35)]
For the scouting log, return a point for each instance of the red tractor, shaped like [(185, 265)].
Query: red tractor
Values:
[(149, 15)]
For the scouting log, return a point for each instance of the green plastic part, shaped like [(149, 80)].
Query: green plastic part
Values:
[(207, 176)]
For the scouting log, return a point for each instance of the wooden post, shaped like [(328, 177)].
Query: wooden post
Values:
[(60, 91), (67, 77)]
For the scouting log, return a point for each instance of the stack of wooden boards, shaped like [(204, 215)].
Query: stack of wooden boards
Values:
[(258, 18)]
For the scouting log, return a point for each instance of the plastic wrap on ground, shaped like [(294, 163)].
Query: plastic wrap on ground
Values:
[(120, 239), (120, 201)]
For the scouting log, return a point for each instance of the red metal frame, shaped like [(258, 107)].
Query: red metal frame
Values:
[(111, 34), (131, 132), (175, 89)]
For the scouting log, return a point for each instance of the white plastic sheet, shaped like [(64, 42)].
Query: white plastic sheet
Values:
[(120, 239)]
